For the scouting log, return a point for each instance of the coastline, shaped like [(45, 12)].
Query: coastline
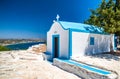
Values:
[(22, 46), (20, 43)]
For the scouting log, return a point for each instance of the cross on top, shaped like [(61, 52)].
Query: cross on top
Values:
[(57, 17)]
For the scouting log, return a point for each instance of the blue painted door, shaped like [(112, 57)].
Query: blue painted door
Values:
[(55, 46)]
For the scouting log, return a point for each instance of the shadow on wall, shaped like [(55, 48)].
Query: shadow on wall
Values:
[(101, 45), (92, 49), (88, 51)]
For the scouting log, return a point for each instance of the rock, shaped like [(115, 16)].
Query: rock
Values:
[(29, 69), (40, 48)]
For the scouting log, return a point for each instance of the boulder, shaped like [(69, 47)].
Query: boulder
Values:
[(40, 48)]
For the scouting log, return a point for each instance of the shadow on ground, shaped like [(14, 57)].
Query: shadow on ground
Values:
[(107, 56)]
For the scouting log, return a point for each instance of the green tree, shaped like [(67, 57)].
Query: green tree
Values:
[(106, 16), (117, 3)]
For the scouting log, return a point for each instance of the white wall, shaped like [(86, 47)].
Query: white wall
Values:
[(56, 29), (81, 43)]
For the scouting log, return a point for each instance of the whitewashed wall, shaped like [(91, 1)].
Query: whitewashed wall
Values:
[(57, 29), (81, 43)]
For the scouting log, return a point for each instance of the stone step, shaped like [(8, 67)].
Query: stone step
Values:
[(83, 70)]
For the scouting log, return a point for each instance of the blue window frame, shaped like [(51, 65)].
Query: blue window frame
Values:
[(92, 40)]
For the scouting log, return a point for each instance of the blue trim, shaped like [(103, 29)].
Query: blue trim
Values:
[(59, 23), (70, 43), (53, 36), (115, 43), (77, 30), (85, 66), (62, 25)]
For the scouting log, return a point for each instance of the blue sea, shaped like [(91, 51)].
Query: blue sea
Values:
[(23, 46)]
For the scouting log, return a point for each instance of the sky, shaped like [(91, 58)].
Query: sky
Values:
[(33, 18)]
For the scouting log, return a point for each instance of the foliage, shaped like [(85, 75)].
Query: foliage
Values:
[(106, 16), (3, 48)]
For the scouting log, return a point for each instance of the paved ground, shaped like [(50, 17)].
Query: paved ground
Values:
[(105, 61), (24, 65)]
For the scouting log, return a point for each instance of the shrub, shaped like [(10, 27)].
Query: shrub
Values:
[(3, 48)]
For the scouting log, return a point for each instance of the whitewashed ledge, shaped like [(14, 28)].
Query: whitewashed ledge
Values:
[(81, 72)]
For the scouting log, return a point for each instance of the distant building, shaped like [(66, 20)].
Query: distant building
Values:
[(69, 39)]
